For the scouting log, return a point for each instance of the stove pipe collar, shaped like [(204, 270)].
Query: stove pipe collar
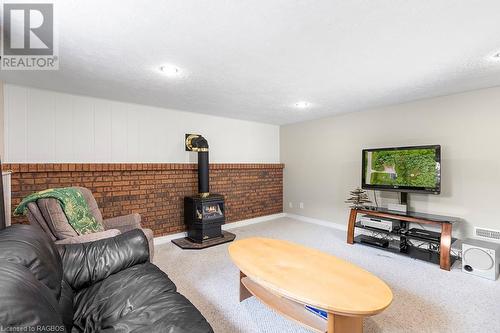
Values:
[(196, 143)]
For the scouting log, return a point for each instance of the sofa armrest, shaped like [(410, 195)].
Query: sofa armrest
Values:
[(89, 237), (123, 223), (87, 263)]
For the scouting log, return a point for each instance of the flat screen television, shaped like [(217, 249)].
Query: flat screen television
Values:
[(402, 169)]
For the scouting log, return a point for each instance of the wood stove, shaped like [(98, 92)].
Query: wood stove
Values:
[(204, 212), (204, 216)]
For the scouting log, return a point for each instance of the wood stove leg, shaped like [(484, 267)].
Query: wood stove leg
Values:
[(350, 227), (445, 247), (344, 324), (244, 293)]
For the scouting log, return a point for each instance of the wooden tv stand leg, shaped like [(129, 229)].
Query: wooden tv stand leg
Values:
[(344, 324), (445, 247), (350, 227), (244, 293)]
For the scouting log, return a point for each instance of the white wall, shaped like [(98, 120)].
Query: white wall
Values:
[(2, 132), (323, 157), (43, 126)]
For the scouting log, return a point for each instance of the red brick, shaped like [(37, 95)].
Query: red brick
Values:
[(157, 190)]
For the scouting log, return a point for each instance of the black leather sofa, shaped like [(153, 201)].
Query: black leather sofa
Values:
[(103, 286)]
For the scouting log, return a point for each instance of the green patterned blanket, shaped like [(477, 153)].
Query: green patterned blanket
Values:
[(72, 203)]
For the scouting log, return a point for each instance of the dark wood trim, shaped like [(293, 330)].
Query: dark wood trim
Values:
[(350, 227), (445, 246)]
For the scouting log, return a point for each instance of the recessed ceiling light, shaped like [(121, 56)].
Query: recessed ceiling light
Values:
[(170, 70), (302, 105)]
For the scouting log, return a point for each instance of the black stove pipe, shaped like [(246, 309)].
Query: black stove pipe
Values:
[(203, 176), (199, 144)]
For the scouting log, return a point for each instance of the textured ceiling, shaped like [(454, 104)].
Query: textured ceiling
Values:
[(253, 59)]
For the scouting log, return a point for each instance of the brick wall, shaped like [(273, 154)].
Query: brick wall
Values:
[(156, 191)]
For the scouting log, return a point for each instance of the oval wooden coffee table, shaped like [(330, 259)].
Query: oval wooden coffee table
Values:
[(287, 276)]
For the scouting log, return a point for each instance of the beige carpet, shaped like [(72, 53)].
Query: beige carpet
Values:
[(426, 299)]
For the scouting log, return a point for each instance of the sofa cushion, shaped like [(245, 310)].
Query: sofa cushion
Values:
[(30, 247), (128, 299), (55, 218), (30, 281), (26, 302), (85, 264), (66, 305)]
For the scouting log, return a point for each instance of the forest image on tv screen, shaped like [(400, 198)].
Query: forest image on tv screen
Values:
[(405, 167)]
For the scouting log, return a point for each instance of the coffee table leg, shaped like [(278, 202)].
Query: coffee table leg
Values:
[(344, 324), (244, 293)]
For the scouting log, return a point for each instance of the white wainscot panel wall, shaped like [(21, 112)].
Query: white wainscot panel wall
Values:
[(50, 127)]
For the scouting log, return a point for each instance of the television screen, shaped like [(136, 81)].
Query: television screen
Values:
[(404, 169)]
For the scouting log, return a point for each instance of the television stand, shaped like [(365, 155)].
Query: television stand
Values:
[(444, 257)]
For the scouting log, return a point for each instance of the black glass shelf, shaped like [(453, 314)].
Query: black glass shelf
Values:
[(399, 234), (414, 252), (416, 215)]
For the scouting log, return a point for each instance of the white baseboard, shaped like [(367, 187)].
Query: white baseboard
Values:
[(312, 220), (229, 226), (168, 238), (255, 220), (260, 219)]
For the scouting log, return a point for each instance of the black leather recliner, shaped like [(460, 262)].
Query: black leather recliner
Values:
[(103, 286)]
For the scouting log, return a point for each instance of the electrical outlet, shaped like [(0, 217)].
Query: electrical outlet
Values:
[(290, 204), (301, 205)]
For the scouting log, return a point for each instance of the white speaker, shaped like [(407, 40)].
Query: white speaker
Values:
[(481, 258)]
